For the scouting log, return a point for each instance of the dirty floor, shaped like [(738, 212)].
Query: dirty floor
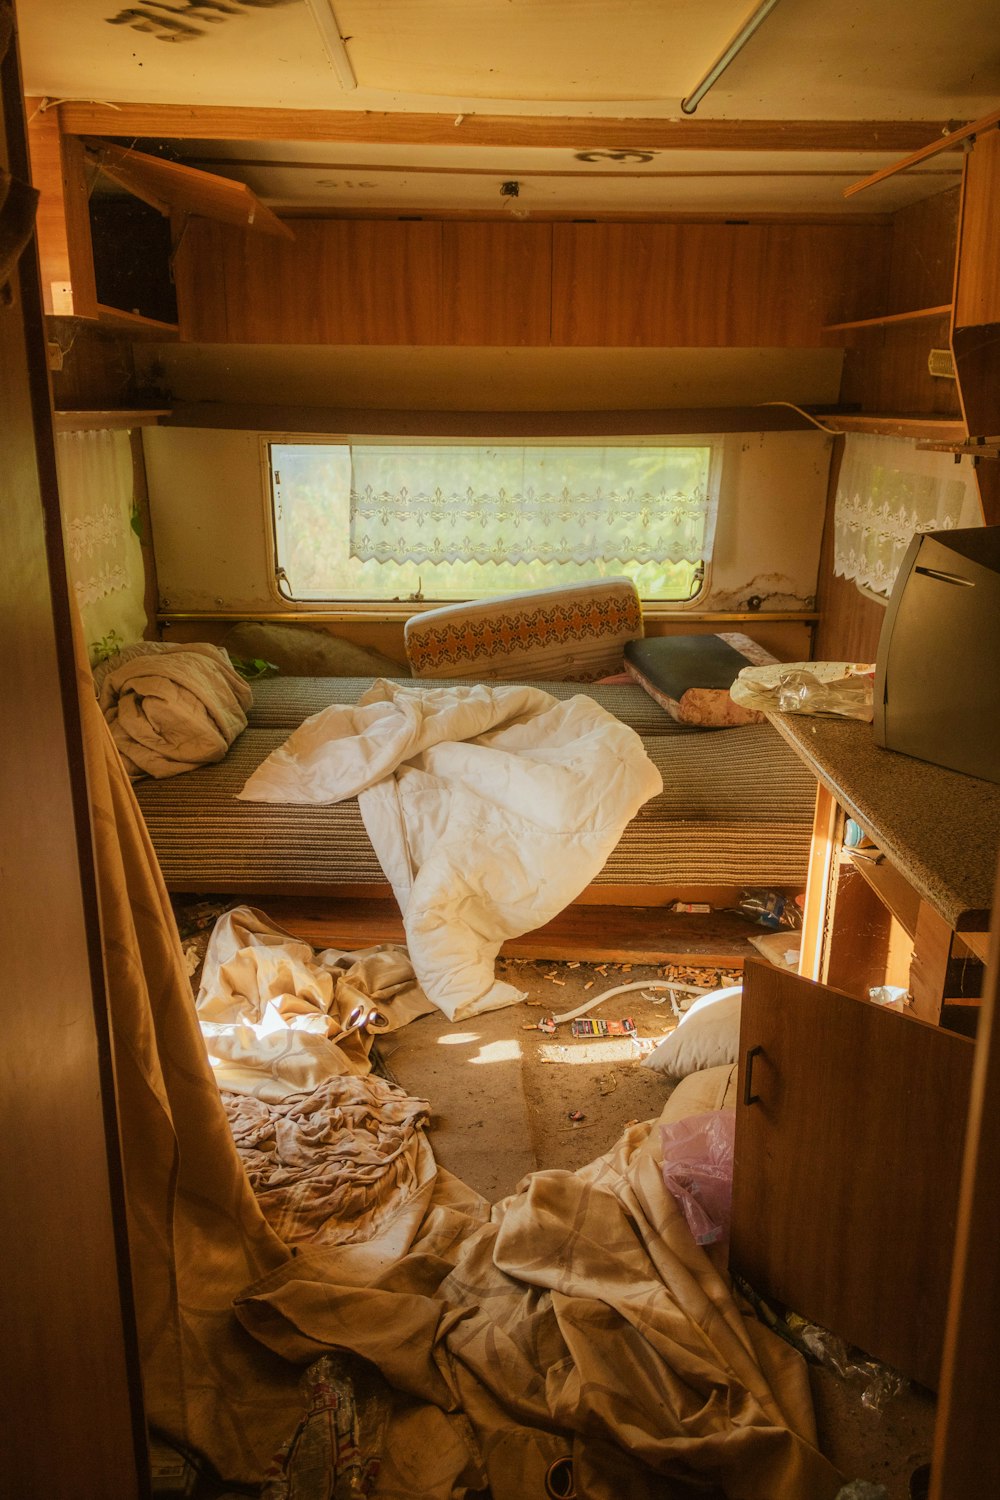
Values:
[(507, 1099)]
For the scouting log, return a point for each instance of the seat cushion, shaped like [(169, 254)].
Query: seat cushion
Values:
[(690, 677), (284, 702), (301, 651), (572, 634), (735, 810)]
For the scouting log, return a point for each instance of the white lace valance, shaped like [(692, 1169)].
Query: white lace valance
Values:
[(887, 491), (512, 504)]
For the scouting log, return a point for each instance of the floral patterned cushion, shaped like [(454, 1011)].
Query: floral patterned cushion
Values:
[(574, 634), (713, 708)]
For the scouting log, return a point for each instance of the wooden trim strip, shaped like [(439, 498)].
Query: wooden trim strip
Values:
[(946, 143), (582, 173), (890, 318), (942, 428), (572, 132), (104, 421), (365, 611)]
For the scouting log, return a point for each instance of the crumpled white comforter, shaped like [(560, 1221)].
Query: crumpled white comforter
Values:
[(490, 809)]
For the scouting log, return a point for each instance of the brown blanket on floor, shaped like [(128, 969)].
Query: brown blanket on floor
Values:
[(579, 1318), (334, 1164)]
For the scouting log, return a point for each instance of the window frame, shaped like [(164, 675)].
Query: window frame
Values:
[(375, 608)]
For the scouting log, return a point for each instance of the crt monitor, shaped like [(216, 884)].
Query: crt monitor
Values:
[(937, 677)]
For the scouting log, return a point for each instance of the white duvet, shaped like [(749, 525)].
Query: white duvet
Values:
[(490, 809)]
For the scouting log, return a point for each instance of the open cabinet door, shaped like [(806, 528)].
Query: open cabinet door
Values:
[(850, 1133)]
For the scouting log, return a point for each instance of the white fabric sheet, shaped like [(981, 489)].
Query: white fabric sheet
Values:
[(490, 809)]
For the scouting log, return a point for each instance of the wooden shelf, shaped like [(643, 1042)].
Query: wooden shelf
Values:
[(941, 429), (116, 317), (116, 417), (917, 316), (978, 944), (892, 889)]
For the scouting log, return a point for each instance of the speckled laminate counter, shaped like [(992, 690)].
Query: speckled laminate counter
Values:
[(940, 829)]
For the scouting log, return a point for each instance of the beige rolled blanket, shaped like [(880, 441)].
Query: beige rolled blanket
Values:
[(173, 707)]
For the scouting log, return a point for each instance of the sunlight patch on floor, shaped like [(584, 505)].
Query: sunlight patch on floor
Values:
[(495, 1052)]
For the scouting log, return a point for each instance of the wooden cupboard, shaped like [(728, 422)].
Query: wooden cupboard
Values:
[(848, 1161), (912, 907), (355, 281)]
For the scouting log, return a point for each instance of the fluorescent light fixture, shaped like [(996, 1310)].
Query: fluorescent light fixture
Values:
[(329, 30), (739, 41)]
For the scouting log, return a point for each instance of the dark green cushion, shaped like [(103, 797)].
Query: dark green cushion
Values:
[(673, 663)]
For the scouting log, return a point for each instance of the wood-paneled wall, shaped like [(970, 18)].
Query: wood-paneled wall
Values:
[(886, 369), (695, 285), (711, 285), (887, 372)]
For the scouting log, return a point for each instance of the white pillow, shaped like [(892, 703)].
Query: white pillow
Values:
[(707, 1036), (700, 1093)]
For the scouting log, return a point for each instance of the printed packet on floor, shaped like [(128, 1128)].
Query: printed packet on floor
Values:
[(584, 1026)]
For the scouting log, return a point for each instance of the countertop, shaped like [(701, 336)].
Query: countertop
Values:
[(940, 829)]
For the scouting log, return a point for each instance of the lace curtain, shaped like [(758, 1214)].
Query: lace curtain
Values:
[(581, 505), (887, 491), (103, 553)]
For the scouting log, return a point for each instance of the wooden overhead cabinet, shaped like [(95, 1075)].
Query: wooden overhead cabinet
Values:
[(108, 258)]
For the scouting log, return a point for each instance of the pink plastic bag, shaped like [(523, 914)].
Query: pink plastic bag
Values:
[(697, 1164)]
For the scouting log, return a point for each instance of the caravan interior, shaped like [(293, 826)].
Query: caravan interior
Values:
[(500, 379)]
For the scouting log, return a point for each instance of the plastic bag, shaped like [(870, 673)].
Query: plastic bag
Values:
[(772, 909), (841, 689), (879, 1383), (697, 1166), (336, 1451)]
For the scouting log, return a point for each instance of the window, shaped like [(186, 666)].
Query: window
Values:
[(440, 521)]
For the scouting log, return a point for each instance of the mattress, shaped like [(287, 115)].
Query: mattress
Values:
[(736, 809)]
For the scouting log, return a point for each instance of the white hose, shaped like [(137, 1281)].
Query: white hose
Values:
[(619, 989)]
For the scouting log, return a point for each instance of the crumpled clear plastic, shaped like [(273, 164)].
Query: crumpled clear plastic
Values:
[(697, 1166), (840, 689), (879, 1383), (769, 908)]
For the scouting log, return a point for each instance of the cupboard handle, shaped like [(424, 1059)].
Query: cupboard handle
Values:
[(749, 1097)]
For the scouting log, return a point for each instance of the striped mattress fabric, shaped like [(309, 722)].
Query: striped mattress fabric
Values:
[(575, 633), (736, 809), (283, 702)]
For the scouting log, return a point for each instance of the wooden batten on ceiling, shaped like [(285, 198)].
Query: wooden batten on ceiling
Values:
[(948, 142), (572, 132), (168, 185)]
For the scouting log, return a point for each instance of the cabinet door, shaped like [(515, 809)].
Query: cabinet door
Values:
[(849, 1140)]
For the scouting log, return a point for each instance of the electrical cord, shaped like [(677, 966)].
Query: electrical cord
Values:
[(834, 431)]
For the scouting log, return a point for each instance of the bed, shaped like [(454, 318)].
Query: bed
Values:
[(736, 809)]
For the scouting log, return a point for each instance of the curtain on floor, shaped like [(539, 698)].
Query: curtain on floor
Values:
[(196, 1233)]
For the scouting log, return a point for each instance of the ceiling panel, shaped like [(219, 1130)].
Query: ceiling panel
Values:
[(606, 60), (309, 177), (895, 59), (521, 49)]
